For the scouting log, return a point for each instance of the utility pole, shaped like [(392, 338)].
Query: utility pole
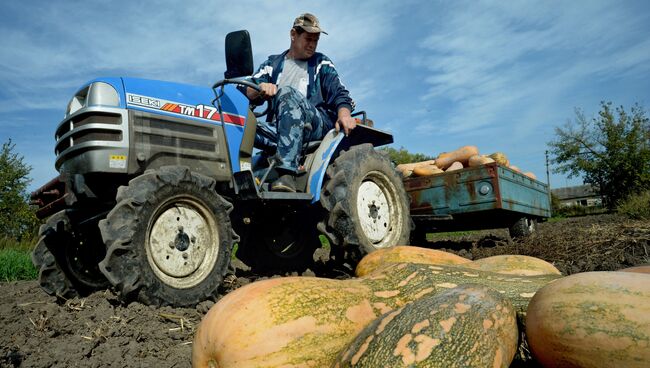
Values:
[(548, 182)]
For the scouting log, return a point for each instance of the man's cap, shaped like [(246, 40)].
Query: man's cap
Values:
[(309, 23)]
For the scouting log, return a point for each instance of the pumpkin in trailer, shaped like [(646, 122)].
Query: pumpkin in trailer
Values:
[(455, 166), (407, 169), (500, 158), (426, 170), (307, 321), (467, 326), (478, 160), (462, 155)]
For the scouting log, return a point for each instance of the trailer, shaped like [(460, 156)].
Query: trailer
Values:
[(476, 198)]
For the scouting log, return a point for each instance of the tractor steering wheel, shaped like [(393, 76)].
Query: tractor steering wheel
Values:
[(241, 82)]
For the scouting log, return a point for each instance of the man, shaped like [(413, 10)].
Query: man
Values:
[(307, 98)]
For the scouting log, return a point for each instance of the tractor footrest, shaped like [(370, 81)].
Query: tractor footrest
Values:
[(286, 196)]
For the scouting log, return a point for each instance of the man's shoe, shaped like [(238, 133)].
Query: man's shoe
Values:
[(285, 183)]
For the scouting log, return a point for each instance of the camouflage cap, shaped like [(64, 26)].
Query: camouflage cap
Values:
[(309, 23)]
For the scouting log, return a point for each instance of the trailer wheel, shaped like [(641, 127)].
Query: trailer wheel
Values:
[(67, 258), (169, 238), (523, 227), (365, 203)]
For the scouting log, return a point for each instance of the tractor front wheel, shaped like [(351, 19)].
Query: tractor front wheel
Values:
[(168, 238)]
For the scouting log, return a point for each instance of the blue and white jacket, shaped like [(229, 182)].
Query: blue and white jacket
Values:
[(325, 90)]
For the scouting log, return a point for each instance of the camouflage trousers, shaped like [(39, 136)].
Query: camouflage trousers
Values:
[(295, 122)]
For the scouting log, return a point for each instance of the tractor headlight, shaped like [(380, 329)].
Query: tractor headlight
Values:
[(95, 94)]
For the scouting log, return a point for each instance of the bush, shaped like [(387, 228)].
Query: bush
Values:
[(636, 206), (577, 210), (16, 265), (17, 218)]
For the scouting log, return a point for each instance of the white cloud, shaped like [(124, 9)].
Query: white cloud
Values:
[(436, 74), (489, 59)]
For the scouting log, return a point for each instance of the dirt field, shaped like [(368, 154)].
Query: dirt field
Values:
[(98, 331)]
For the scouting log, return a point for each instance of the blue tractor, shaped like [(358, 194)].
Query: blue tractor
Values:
[(160, 181)]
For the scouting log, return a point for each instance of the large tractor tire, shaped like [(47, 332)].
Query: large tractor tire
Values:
[(278, 247), (168, 239), (279, 240), (522, 228), (365, 203), (67, 258)]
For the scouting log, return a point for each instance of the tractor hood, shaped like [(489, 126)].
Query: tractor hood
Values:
[(161, 97)]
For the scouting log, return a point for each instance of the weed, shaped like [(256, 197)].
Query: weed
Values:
[(26, 244), (16, 264), (636, 206), (449, 234)]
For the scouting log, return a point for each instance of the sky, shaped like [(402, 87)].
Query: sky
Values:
[(438, 75)]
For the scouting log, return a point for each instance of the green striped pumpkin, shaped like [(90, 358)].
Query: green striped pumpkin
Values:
[(467, 326), (307, 321), (592, 319)]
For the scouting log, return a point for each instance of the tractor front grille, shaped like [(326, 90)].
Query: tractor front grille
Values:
[(174, 136), (88, 127), (87, 140)]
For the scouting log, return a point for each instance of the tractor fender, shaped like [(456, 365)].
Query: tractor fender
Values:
[(322, 158), (331, 144)]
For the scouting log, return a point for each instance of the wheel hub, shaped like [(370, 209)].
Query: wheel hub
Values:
[(182, 243), (374, 211), (182, 240)]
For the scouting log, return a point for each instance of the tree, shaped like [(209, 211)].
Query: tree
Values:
[(17, 219), (402, 156), (611, 151)]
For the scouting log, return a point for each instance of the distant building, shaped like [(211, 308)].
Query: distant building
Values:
[(580, 195)]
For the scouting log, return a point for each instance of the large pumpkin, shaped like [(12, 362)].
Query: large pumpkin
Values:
[(638, 269), (405, 254), (307, 321), (592, 319), (513, 264), (467, 326)]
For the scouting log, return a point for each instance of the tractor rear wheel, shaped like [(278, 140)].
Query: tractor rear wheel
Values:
[(67, 255), (168, 239), (366, 204)]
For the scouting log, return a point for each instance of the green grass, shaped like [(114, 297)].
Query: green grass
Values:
[(16, 264), (577, 210), (16, 259), (26, 244), (556, 219), (448, 234)]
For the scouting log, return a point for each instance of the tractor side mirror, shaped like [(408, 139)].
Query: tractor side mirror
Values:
[(239, 55)]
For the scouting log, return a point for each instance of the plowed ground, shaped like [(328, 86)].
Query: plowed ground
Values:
[(99, 331)]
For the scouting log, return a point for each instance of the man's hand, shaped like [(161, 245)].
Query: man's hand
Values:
[(267, 92), (345, 121)]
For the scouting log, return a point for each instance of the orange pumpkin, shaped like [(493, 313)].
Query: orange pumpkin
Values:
[(638, 269), (406, 254), (592, 319), (513, 264), (462, 155), (478, 160), (307, 321)]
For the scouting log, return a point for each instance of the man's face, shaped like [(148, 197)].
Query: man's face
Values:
[(304, 45)]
